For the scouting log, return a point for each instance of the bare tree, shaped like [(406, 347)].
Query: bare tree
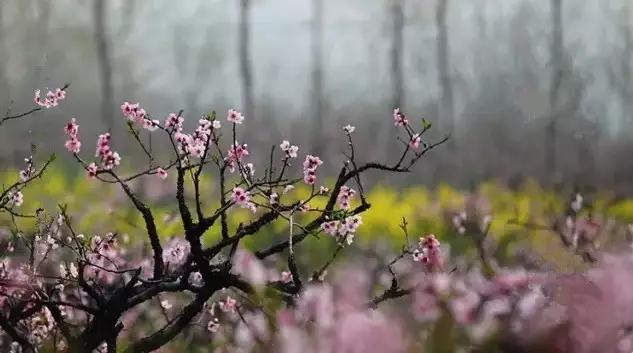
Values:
[(245, 58), (446, 111), (556, 52), (316, 32), (105, 62)]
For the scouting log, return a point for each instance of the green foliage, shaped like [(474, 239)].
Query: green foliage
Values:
[(97, 208)]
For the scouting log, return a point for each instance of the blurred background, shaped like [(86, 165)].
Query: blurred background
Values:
[(527, 89)]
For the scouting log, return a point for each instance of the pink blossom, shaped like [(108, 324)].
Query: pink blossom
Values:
[(73, 145), (330, 227), (17, 198), (291, 150), (286, 276), (126, 109), (304, 207), (310, 165), (273, 199), (242, 198), (312, 162), (26, 173), (108, 158), (60, 94), (51, 99), (429, 253), (309, 176), (173, 122), (162, 173), (234, 117), (176, 252), (71, 129), (344, 197), (344, 229), (415, 141), (91, 170), (236, 154), (399, 118), (150, 125)]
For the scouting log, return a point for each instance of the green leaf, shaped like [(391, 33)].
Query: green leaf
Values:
[(426, 124)]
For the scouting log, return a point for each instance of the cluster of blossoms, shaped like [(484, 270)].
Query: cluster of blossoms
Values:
[(310, 166), (196, 143), (429, 253), (71, 270), (349, 129), (415, 142), (399, 119), (242, 198), (104, 258), (173, 122), (134, 113), (290, 150), (176, 252), (14, 198), (344, 197), (51, 99), (344, 229), (41, 326), (235, 117), (71, 130), (107, 157), (27, 172), (237, 152)]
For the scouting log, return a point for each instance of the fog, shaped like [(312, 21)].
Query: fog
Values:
[(523, 90)]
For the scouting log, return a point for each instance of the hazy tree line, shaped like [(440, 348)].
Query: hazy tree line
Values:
[(526, 88)]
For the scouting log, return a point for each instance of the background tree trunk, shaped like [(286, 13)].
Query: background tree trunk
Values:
[(397, 46), (316, 97), (446, 109), (556, 52), (245, 59), (105, 63)]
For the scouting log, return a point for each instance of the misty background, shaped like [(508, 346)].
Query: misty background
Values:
[(528, 89)]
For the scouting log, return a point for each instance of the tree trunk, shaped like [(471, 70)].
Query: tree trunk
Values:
[(396, 54), (555, 85), (316, 97), (4, 82), (105, 63), (446, 109), (245, 60)]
